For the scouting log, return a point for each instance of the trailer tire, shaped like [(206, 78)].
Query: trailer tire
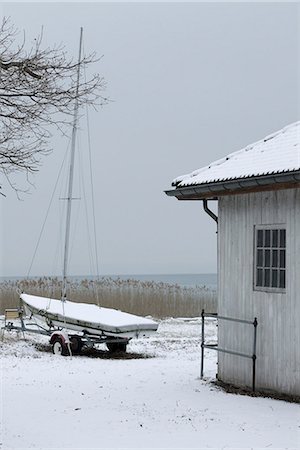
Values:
[(76, 344), (59, 347), (114, 347)]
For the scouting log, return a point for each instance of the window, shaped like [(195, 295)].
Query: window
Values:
[(270, 256)]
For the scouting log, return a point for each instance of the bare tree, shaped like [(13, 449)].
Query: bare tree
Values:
[(37, 93)]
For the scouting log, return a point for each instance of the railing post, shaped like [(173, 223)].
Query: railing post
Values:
[(224, 350), (254, 354), (202, 344)]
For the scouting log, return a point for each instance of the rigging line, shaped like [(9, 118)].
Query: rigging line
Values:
[(91, 256), (47, 213), (73, 230), (71, 172), (92, 180), (58, 258), (57, 253), (92, 188), (93, 196), (62, 214)]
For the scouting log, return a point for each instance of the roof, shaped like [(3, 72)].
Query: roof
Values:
[(278, 153)]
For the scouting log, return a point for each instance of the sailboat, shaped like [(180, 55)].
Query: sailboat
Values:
[(72, 324)]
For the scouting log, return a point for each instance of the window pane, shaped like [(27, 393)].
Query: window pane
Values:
[(274, 278), (274, 258), (282, 238), (274, 238), (282, 258), (259, 238), (267, 238), (267, 258), (259, 261), (267, 278), (282, 279), (259, 277), (270, 258)]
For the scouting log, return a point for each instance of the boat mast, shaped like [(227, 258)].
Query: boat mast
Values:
[(71, 176)]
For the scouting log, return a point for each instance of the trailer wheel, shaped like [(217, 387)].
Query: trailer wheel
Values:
[(59, 348), (76, 344), (114, 347)]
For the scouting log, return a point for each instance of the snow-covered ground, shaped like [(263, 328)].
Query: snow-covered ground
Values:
[(151, 398)]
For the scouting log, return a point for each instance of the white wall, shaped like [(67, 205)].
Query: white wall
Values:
[(278, 314)]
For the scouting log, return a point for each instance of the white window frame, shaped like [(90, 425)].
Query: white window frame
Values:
[(265, 288)]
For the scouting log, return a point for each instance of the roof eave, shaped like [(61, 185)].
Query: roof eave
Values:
[(284, 180)]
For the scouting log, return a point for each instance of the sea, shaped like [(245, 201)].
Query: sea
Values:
[(208, 280)]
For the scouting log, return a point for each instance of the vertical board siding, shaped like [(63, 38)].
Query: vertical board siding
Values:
[(278, 314)]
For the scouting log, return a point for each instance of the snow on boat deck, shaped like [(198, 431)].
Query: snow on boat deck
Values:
[(93, 314)]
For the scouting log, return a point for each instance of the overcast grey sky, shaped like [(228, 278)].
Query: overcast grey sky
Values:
[(191, 82)]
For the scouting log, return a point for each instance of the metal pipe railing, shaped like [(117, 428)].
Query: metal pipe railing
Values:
[(223, 350)]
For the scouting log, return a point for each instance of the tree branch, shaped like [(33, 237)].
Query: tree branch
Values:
[(37, 94)]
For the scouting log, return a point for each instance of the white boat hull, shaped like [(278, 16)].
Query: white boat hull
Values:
[(86, 318)]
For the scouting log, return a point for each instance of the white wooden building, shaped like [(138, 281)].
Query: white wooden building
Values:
[(258, 193)]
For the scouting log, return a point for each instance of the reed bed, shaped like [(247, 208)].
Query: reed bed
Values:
[(159, 300)]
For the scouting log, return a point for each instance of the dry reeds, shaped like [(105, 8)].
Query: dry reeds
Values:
[(144, 298)]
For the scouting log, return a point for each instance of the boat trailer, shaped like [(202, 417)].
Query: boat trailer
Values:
[(63, 342)]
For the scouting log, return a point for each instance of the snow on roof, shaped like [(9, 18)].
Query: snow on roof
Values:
[(276, 153)]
